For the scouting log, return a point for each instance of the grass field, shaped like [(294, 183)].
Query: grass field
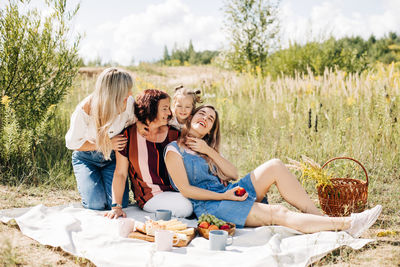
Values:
[(336, 114)]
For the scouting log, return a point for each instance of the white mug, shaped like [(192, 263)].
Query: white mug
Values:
[(122, 226), (164, 240)]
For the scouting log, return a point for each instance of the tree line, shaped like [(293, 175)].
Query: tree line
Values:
[(187, 56), (350, 54)]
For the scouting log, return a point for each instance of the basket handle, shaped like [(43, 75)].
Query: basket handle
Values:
[(356, 161)]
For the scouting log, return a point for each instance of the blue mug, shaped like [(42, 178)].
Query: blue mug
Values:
[(219, 239), (164, 215)]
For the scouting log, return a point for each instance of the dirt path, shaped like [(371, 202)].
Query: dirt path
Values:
[(17, 249)]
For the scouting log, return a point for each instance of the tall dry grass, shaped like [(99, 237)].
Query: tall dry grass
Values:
[(318, 116)]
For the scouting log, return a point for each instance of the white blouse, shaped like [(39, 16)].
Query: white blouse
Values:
[(83, 128)]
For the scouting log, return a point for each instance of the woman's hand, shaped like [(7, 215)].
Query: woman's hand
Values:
[(198, 145), (115, 213), (230, 195), (119, 142)]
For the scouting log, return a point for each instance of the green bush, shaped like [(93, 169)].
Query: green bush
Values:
[(37, 66), (316, 57)]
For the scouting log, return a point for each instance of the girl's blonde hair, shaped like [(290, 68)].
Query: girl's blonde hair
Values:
[(212, 139), (112, 87), (182, 91)]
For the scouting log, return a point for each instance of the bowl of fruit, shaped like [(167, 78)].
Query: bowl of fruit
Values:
[(208, 222)]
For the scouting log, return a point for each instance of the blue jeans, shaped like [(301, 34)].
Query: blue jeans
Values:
[(94, 176)]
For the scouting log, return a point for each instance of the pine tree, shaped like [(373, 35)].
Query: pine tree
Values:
[(166, 55)]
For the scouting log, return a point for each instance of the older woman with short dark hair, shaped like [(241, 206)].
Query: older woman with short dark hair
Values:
[(143, 159)]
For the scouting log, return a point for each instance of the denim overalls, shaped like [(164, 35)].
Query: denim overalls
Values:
[(199, 175)]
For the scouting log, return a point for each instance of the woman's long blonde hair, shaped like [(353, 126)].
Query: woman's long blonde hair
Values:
[(212, 139), (112, 87)]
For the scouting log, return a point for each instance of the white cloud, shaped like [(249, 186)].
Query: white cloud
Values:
[(142, 36), (330, 18)]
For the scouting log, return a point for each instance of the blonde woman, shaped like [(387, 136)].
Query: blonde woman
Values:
[(94, 135)]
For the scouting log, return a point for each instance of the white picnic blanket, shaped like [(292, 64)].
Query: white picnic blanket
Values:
[(86, 233)]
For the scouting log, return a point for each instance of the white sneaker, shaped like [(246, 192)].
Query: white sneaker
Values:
[(360, 222)]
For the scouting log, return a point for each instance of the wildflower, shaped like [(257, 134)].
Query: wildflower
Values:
[(258, 70), (309, 90), (348, 119), (350, 101), (51, 108), (5, 100), (388, 233)]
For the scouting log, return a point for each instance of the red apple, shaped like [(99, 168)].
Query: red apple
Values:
[(240, 191), (224, 227)]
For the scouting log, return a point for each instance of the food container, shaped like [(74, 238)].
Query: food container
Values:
[(205, 232)]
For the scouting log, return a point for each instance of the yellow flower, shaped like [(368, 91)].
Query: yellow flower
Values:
[(350, 101), (52, 107), (387, 233), (5, 100), (258, 70), (348, 119), (309, 90)]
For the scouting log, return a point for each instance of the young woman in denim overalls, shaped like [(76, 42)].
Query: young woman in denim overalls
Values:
[(197, 170), (94, 135)]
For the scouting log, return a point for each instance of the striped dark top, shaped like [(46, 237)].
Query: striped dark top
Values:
[(147, 169)]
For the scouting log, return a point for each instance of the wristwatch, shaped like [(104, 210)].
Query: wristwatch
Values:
[(116, 205)]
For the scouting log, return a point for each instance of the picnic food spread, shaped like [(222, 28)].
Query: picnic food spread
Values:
[(208, 222), (146, 231)]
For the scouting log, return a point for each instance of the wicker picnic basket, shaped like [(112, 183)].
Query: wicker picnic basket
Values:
[(345, 195)]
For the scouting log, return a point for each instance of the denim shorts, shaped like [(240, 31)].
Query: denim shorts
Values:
[(228, 210)]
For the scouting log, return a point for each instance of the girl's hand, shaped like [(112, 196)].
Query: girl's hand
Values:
[(115, 213), (197, 145), (119, 142), (230, 195)]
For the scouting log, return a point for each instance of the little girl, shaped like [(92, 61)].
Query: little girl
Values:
[(184, 102)]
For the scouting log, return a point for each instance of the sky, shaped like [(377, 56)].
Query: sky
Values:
[(126, 31)]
